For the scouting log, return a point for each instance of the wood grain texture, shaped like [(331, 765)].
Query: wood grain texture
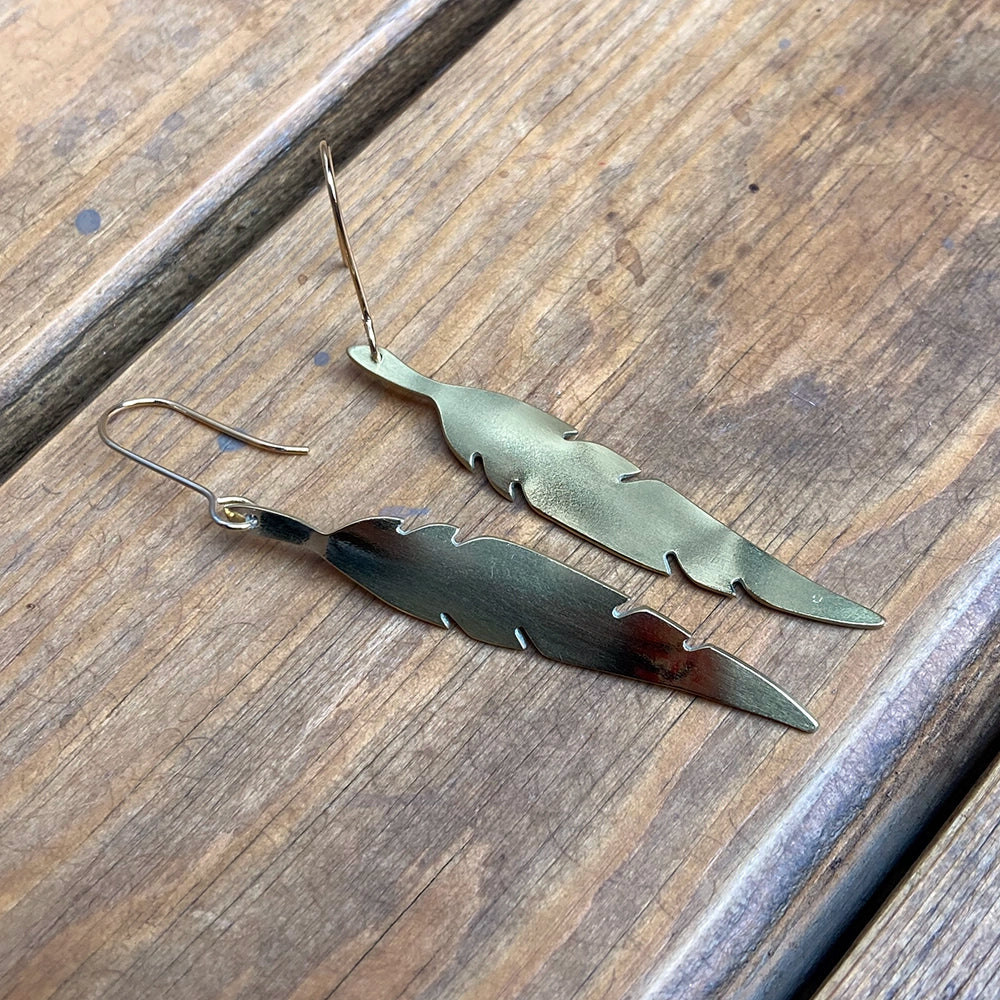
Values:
[(938, 935), (753, 247), (150, 145)]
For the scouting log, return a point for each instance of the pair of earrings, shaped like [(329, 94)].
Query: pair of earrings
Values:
[(507, 595)]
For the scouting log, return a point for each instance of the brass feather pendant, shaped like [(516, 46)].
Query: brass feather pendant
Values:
[(507, 595), (589, 488), (594, 491), (495, 591)]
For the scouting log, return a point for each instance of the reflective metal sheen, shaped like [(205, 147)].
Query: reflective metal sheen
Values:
[(507, 595), (594, 491), (495, 591)]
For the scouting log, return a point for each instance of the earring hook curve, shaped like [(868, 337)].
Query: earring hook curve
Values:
[(346, 253), (220, 513)]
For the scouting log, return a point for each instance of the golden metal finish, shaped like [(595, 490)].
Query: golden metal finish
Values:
[(589, 488), (346, 253), (499, 593), (508, 595), (220, 512), (594, 491)]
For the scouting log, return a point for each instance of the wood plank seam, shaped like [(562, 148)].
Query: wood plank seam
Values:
[(616, 837), (111, 322)]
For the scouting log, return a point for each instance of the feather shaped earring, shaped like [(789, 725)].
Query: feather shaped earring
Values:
[(495, 591), (588, 488)]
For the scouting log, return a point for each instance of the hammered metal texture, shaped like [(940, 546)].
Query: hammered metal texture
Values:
[(593, 491)]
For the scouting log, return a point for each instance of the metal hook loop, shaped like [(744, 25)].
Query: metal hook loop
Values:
[(346, 253), (220, 513)]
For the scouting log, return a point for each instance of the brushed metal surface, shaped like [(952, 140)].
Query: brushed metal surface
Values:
[(507, 595), (494, 590), (593, 491)]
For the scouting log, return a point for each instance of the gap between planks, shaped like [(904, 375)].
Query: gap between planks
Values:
[(938, 932), (778, 350), (79, 307)]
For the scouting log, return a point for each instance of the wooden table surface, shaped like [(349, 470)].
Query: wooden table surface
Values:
[(155, 145), (938, 934), (751, 246)]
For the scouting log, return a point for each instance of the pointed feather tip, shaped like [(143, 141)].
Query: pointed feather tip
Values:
[(835, 609), (870, 619), (768, 701), (849, 615), (811, 601), (738, 685), (771, 702), (794, 715)]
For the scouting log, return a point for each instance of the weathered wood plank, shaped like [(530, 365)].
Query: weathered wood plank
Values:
[(938, 934), (228, 773), (154, 144)]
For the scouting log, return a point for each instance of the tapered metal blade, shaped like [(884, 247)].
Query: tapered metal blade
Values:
[(594, 491), (507, 595)]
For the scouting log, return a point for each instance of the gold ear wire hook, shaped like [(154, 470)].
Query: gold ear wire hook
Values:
[(220, 514), (345, 248)]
